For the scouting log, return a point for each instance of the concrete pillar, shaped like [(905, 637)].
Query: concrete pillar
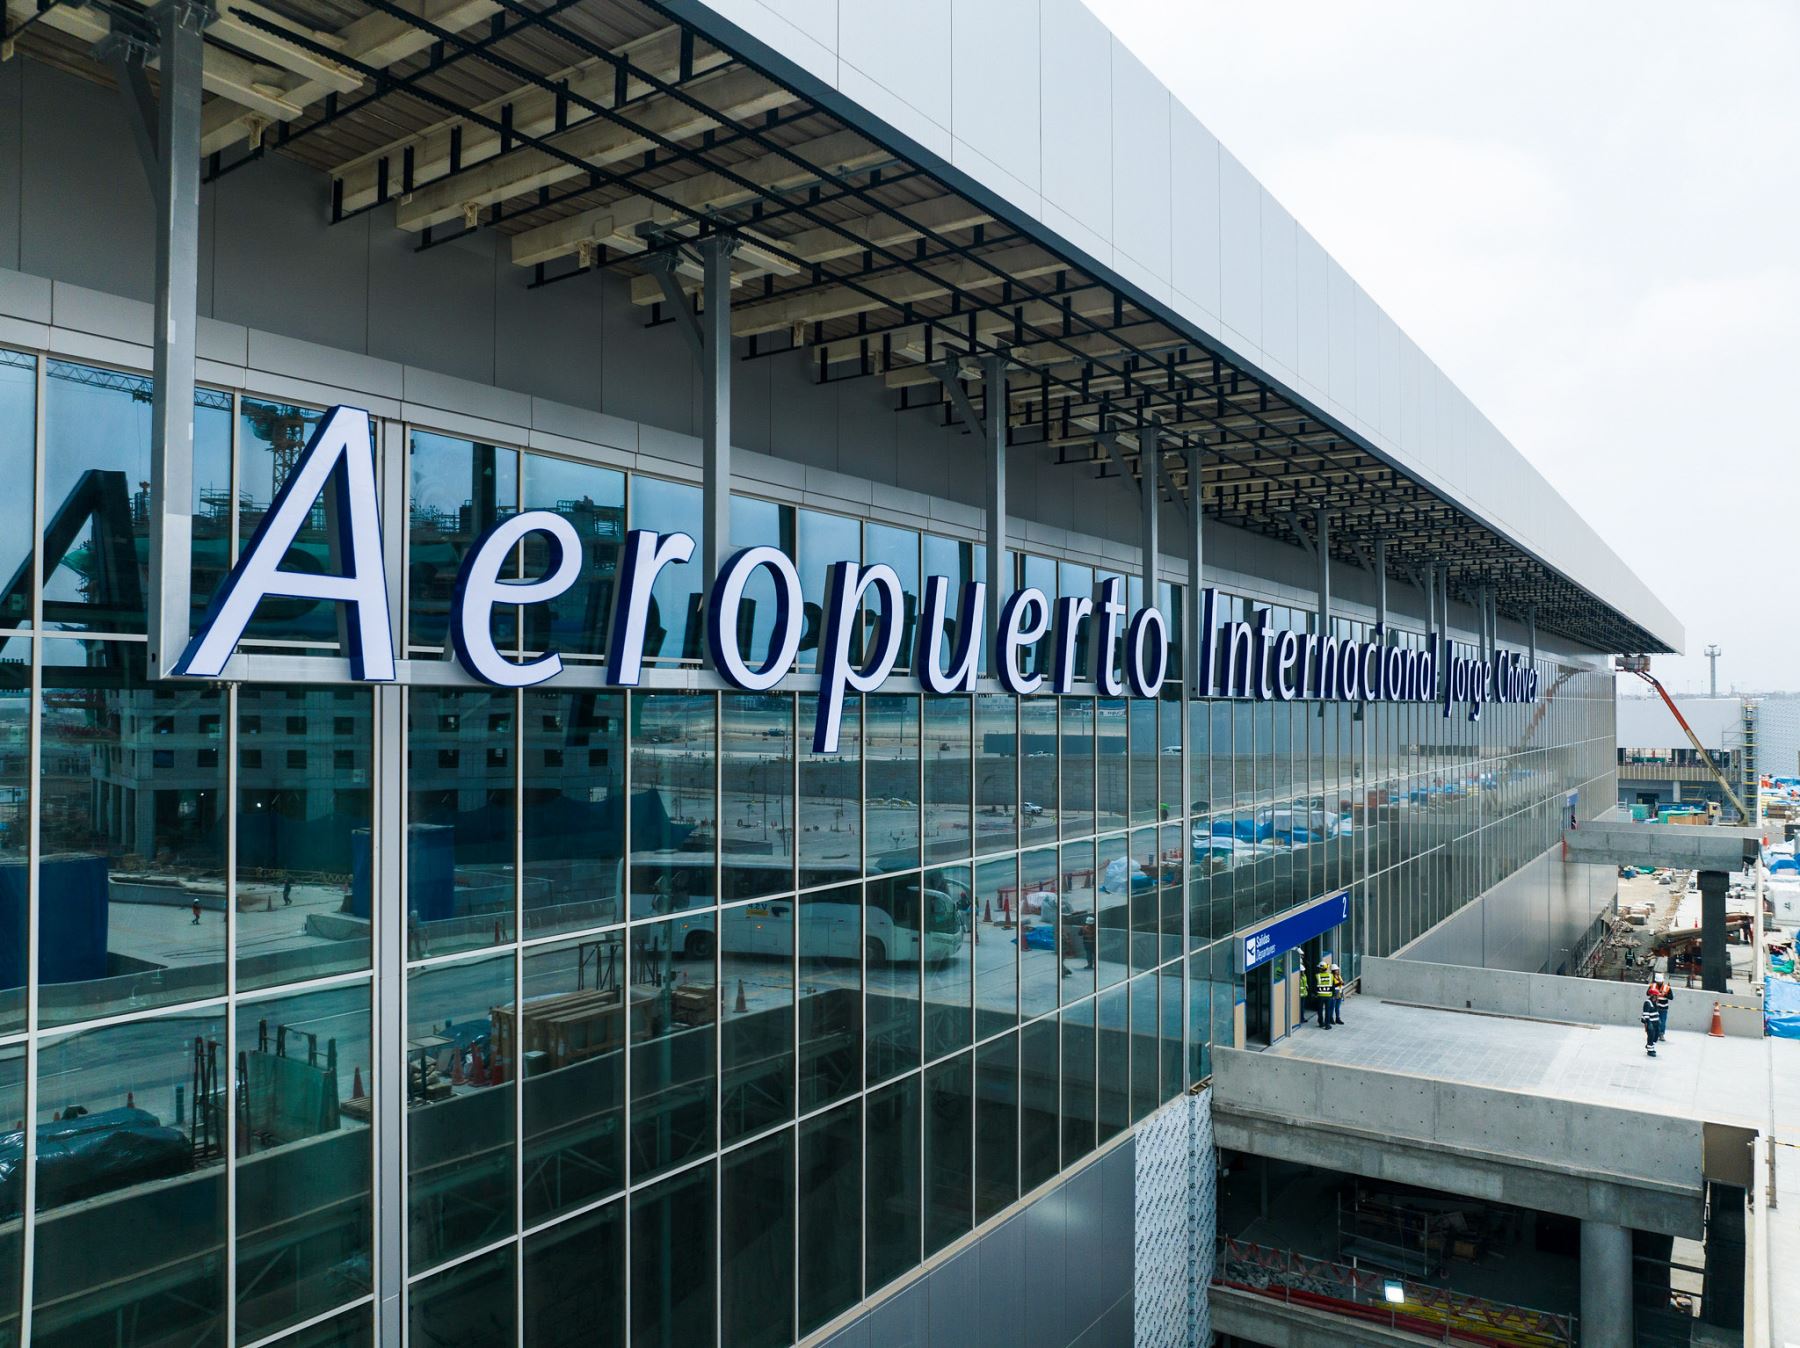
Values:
[(1605, 1286), (1715, 964)]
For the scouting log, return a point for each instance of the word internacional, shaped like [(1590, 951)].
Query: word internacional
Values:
[(1242, 659)]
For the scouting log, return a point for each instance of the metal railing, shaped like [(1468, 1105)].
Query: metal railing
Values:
[(1362, 1294)]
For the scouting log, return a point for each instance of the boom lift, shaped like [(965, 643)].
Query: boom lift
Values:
[(1640, 666)]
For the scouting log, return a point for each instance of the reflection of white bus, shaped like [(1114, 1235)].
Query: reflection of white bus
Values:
[(900, 926)]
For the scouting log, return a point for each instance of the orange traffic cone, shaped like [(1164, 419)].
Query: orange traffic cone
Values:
[(742, 1004), (988, 913), (356, 1086), (456, 1070), (478, 1073), (1718, 1025)]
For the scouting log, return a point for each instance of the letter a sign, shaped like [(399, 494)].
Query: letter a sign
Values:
[(353, 524)]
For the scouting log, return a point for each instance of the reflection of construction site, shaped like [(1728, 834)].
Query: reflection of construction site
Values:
[(106, 1175)]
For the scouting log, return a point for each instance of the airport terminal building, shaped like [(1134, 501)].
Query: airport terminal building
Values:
[(992, 603)]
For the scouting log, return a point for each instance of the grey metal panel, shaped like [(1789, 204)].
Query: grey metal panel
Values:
[(1340, 317), (995, 104), (12, 149), (903, 1320), (550, 340), (954, 1288), (1076, 84), (1389, 416), (853, 1335), (1312, 277), (1194, 206), (1085, 1297), (1045, 1238), (1240, 248), (272, 208), (1118, 1220), (1140, 154), (85, 213), (1112, 1330), (1000, 1311), (1366, 407), (433, 309), (911, 61), (1280, 285)]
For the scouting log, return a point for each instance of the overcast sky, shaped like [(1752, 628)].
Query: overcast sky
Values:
[(1589, 215)]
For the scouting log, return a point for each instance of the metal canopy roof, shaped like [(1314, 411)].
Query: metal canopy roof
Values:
[(604, 134)]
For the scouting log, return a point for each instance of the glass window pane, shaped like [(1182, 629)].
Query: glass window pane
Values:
[(672, 1230), (461, 828), (132, 836), (593, 500), (1114, 1110), (824, 539), (674, 1052), (18, 439), (471, 1305), (1120, 878), (1146, 1067), (353, 1329), (12, 1190), (1078, 1076), (956, 561), (898, 548), (674, 631), (575, 1281), (1078, 938), (1037, 770), (147, 1093), (304, 1201), (458, 490), (459, 1119), (891, 1228), (949, 1151), (996, 773), (1040, 963), (1076, 807), (831, 801), (892, 736), (756, 773), (574, 815), (997, 954), (996, 1126), (15, 825), (270, 438), (571, 1056), (1039, 1122), (1146, 799), (756, 1243), (948, 822), (674, 752), (830, 1170), (891, 921), (949, 970), (303, 832), (1113, 761), (756, 1030), (830, 1008), (96, 477)]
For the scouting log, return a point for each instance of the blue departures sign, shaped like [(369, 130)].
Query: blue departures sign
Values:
[(1240, 660), (1294, 930)]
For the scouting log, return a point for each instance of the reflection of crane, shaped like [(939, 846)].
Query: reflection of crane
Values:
[(284, 430), (1640, 666)]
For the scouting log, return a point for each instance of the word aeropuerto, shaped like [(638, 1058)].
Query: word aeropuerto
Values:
[(1238, 660)]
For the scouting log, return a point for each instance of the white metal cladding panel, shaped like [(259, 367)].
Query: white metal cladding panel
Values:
[(1140, 156), (1280, 289), (1194, 206), (896, 64), (1313, 308), (1177, 1222), (998, 103)]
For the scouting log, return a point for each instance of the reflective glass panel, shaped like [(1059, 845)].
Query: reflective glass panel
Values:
[(756, 1243), (575, 1281), (947, 782), (674, 1036), (574, 815), (892, 772), (458, 490), (898, 548), (461, 871), (12, 1184), (304, 1150), (18, 437), (304, 874), (459, 1119), (1077, 805), (1039, 1119), (1037, 770), (147, 1094), (824, 539), (672, 1261), (756, 1027), (571, 1055), (1078, 934), (830, 817), (674, 755), (949, 1151), (1113, 1112), (891, 1227), (949, 947), (756, 774), (830, 1215), (1120, 877), (593, 500), (831, 947), (471, 1305), (15, 825), (1112, 762), (132, 862), (1040, 960), (996, 773), (896, 928), (997, 952), (996, 1125), (1078, 1078), (270, 438), (675, 630)]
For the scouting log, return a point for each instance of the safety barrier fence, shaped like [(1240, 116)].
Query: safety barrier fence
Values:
[(1367, 1295)]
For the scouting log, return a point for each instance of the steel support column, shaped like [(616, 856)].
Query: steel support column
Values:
[(1150, 474), (1531, 633), (715, 429), (1197, 635), (177, 202), (1322, 554), (1380, 570), (993, 430)]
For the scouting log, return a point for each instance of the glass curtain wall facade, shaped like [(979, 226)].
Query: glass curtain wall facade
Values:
[(706, 1038)]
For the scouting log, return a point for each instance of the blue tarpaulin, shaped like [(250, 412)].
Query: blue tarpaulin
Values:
[(1781, 1008)]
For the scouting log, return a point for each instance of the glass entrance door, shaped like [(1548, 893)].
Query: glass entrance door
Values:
[(1259, 995)]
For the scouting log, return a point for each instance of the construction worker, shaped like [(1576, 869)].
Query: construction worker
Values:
[(1662, 994), (1324, 986), (1334, 998), (1307, 1003), (1651, 1016)]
